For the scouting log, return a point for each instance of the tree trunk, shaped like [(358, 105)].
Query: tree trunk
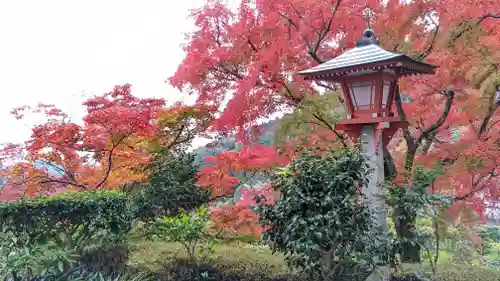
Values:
[(404, 222), (405, 229)]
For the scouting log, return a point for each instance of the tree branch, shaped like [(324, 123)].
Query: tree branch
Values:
[(110, 161), (428, 132), (410, 141), (291, 22), (252, 46), (319, 118), (324, 32), (477, 23), (177, 136), (49, 180), (326, 86), (473, 191), (491, 109), (430, 47), (331, 128), (63, 172), (326, 28)]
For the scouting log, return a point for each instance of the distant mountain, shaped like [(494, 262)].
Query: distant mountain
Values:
[(229, 144)]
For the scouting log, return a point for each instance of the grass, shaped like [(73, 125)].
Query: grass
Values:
[(242, 257), (154, 255)]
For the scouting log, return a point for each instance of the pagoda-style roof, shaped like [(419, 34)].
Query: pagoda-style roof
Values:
[(367, 56)]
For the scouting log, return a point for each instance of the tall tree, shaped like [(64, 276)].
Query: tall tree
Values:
[(171, 186), (252, 53)]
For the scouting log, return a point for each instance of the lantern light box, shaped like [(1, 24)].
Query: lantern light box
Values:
[(369, 77)]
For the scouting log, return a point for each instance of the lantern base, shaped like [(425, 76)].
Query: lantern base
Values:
[(372, 120), (384, 129)]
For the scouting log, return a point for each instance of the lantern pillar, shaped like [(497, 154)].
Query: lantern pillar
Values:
[(372, 148), (373, 138)]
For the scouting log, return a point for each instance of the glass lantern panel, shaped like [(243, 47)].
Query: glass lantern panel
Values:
[(362, 94), (385, 93)]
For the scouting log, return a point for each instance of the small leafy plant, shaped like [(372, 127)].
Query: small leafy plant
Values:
[(29, 263), (188, 229)]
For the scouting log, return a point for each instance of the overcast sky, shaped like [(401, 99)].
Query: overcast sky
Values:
[(53, 51)]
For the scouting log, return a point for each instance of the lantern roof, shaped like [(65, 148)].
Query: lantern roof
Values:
[(367, 56)]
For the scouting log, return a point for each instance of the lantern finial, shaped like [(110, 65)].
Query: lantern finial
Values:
[(368, 38)]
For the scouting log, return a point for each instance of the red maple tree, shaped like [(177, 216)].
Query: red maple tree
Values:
[(239, 217), (116, 140), (252, 53)]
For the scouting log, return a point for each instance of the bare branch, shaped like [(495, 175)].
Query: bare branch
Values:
[(326, 29), (252, 46), (331, 128), (326, 86), (63, 172), (319, 118)]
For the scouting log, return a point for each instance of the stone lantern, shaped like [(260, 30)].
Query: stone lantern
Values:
[(369, 77)]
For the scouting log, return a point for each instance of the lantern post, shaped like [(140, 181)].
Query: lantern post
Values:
[(369, 77)]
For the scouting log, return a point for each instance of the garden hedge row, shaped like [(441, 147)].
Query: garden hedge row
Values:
[(33, 221)]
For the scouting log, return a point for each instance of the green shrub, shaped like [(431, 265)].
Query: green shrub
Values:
[(39, 235), (26, 263), (105, 259), (188, 229), (322, 223), (66, 218), (171, 188), (91, 226)]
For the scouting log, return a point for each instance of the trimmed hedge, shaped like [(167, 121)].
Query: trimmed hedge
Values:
[(91, 213), (49, 235)]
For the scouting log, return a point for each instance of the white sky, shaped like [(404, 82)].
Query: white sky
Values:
[(53, 51)]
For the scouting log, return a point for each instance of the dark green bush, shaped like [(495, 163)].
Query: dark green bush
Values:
[(77, 215), (105, 259), (322, 223), (171, 188), (84, 228)]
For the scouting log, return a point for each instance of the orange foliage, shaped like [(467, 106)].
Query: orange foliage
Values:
[(111, 147), (218, 176)]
